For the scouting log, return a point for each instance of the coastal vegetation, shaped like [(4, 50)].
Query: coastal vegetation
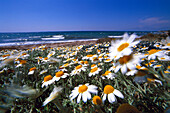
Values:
[(109, 76)]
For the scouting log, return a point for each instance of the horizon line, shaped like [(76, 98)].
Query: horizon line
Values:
[(84, 31)]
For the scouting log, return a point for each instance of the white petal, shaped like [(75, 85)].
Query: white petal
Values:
[(94, 91), (118, 93), (79, 97), (132, 38), (117, 68), (111, 98), (127, 51), (131, 66), (31, 72), (104, 97), (56, 78), (64, 76), (88, 95), (84, 97), (74, 95), (124, 69)]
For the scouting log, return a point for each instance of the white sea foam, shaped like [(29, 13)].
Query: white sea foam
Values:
[(54, 37), (42, 42), (115, 36)]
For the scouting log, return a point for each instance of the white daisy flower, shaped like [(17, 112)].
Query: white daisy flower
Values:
[(78, 69), (58, 75), (123, 47), (111, 92), (108, 75), (127, 62), (43, 72), (51, 54), (164, 58), (32, 70), (83, 91), (94, 71), (47, 81), (22, 62), (54, 94), (153, 53), (154, 80)]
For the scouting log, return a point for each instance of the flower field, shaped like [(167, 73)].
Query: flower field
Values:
[(125, 75)]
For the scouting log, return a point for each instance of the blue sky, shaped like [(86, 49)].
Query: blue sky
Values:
[(83, 15)]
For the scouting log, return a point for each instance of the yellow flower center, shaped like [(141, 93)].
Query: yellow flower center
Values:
[(78, 67), (168, 44), (150, 80), (108, 89), (23, 62), (122, 46), (106, 73), (86, 62), (33, 68), (125, 59), (89, 55), (93, 70), (158, 65), (107, 59), (105, 56), (65, 65), (95, 59), (24, 53), (82, 62), (59, 74), (162, 58), (97, 100), (93, 65), (152, 51), (46, 58), (168, 67), (47, 78), (82, 88), (166, 72)]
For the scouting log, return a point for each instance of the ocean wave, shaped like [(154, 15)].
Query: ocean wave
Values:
[(16, 39), (42, 42), (54, 37)]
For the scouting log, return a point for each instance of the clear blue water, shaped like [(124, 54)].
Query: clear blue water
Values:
[(27, 38)]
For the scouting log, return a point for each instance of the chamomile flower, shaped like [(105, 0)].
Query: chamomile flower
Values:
[(32, 70), (127, 62), (97, 100), (84, 92), (94, 71), (54, 94), (51, 54), (78, 69), (119, 48), (22, 62), (153, 53), (154, 80), (58, 75), (89, 57), (47, 81), (108, 75), (164, 58), (111, 92)]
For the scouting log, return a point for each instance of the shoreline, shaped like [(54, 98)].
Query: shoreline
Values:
[(49, 45), (149, 37)]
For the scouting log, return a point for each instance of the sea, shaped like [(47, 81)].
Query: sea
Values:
[(30, 38)]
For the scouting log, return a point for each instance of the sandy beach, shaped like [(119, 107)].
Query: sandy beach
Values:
[(49, 45)]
